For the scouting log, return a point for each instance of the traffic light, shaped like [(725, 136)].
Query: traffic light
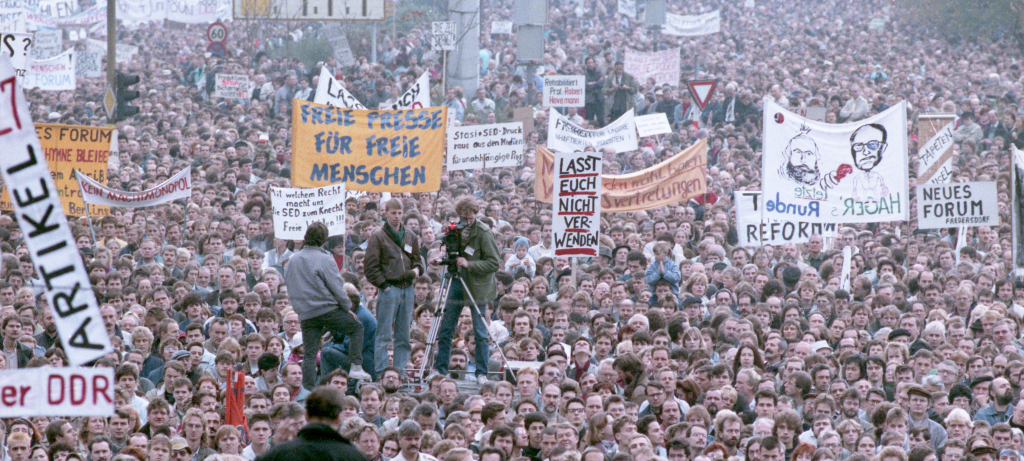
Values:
[(125, 96)]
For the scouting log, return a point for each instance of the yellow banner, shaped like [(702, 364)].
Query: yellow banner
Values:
[(69, 148), (368, 150), (681, 177)]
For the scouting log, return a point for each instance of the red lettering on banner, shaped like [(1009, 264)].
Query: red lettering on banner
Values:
[(14, 395), (77, 382), (49, 386), (100, 386)]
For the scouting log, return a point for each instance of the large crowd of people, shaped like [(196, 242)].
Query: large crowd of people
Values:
[(676, 343)]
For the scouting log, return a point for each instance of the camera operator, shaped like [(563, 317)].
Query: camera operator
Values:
[(477, 262)]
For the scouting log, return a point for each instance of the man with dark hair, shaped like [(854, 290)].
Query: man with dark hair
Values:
[(317, 292), (100, 448), (320, 440)]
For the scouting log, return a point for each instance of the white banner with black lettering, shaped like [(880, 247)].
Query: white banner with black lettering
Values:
[(692, 26), (329, 91), (54, 74), (294, 209), (564, 90), (40, 215), (576, 224), (565, 136), (661, 66), (1017, 193), (839, 173), (16, 46), (961, 204), (753, 232), (485, 146), (64, 392), (416, 97), (934, 165), (47, 44), (177, 187)]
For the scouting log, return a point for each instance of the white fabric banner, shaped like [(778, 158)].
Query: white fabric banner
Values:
[(54, 74), (294, 209), (64, 392), (329, 91), (485, 146), (91, 16), (135, 12), (962, 204), (692, 26), (40, 215), (663, 66), (931, 160), (57, 8), (192, 11), (417, 97), (17, 47), (125, 53), (565, 136), (1017, 194), (177, 187), (841, 173), (576, 224), (753, 232)]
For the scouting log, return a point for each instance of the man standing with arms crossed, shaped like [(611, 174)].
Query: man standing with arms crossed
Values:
[(476, 265), (317, 293), (391, 263)]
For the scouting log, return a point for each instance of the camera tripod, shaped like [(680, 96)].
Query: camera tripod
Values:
[(450, 275)]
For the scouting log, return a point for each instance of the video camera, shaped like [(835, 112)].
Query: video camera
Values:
[(452, 241)]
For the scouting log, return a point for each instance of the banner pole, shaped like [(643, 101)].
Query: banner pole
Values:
[(86, 205)]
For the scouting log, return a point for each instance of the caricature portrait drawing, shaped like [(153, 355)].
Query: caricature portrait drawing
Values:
[(867, 145), (802, 157)]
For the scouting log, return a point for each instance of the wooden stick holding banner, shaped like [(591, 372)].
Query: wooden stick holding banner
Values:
[(87, 216)]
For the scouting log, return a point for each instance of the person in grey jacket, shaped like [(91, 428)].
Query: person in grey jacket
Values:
[(317, 293)]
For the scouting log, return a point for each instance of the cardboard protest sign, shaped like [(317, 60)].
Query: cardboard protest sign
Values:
[(68, 148), (89, 64), (295, 209), (416, 97), (37, 209), (565, 136), (662, 66), (329, 91), (125, 53), (962, 204), (841, 173), (654, 124), (16, 46), (576, 224), (370, 150), (485, 146), (176, 187), (232, 86), (753, 232), (694, 25), (442, 35), (334, 33), (501, 27), (564, 90), (1017, 197), (934, 158), (47, 44), (54, 74), (677, 179), (64, 392)]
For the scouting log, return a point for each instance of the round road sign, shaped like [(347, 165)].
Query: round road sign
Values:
[(217, 32)]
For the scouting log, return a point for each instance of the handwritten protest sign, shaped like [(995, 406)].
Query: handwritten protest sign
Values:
[(962, 204), (576, 225), (662, 66), (176, 187), (654, 124), (565, 136), (232, 86), (485, 146), (64, 392), (679, 178), (564, 90), (16, 46), (45, 228), (47, 44), (57, 8), (692, 26), (89, 64), (753, 232), (54, 74), (935, 160), (369, 150), (125, 53), (295, 209), (329, 91), (501, 27), (416, 97)]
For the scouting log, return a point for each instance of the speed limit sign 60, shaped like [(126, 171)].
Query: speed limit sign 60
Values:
[(217, 32)]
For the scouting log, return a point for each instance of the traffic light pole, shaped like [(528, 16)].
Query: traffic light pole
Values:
[(111, 44)]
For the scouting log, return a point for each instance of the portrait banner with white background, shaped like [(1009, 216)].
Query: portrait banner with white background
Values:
[(839, 173), (294, 209), (565, 136)]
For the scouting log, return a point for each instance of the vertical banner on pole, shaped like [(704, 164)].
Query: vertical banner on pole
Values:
[(577, 204)]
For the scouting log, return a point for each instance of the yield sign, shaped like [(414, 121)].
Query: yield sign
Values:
[(702, 90)]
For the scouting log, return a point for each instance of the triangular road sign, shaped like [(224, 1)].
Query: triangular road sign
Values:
[(702, 90)]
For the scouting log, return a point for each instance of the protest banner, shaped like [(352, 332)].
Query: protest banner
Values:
[(692, 26), (662, 66), (47, 44), (1017, 193), (846, 270), (95, 14), (232, 86), (753, 232), (89, 64), (54, 74), (68, 148), (501, 27), (442, 35), (934, 158), (125, 53), (654, 124), (329, 91), (369, 150), (811, 113), (576, 225), (485, 146), (136, 12), (962, 204), (524, 115), (564, 90), (334, 33), (176, 187), (16, 46), (295, 209), (57, 8), (677, 179), (47, 234), (565, 136), (64, 392), (13, 20), (416, 97), (627, 8), (841, 173), (192, 11)]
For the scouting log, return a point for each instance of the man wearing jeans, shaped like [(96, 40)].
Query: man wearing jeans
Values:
[(391, 262), (477, 264), (317, 293)]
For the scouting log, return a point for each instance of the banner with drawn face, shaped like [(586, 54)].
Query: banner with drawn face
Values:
[(840, 173)]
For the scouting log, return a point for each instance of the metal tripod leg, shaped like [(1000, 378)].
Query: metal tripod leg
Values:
[(490, 334), (435, 325)]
